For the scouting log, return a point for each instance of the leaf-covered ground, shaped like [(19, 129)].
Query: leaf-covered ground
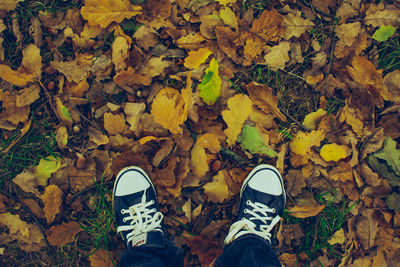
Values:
[(197, 92)]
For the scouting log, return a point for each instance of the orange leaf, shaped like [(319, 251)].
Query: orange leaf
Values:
[(305, 211), (114, 124), (52, 199), (17, 78), (196, 58)]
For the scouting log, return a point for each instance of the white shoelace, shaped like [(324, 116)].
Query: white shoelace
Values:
[(142, 219), (246, 226)]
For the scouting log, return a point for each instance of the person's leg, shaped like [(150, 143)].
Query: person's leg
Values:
[(262, 201), (139, 222)]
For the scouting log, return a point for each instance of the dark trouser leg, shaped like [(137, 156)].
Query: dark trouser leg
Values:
[(248, 251), (167, 256)]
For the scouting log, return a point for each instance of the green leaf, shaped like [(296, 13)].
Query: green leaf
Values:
[(393, 201), (63, 112), (390, 154), (251, 140), (381, 168), (46, 167), (210, 87), (383, 33)]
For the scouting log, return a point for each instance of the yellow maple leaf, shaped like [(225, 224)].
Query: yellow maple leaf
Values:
[(168, 109), (104, 12), (52, 199), (217, 190), (197, 57), (239, 109), (14, 223), (334, 152), (302, 143), (114, 124)]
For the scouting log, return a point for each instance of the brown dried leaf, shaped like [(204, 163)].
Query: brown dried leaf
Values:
[(34, 207), (52, 199), (26, 180), (367, 228), (101, 258), (14, 224), (62, 234), (114, 124)]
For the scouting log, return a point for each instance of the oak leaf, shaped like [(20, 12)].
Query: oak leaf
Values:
[(239, 109), (334, 152), (210, 86), (114, 124), (295, 25), (14, 224), (217, 190), (168, 109), (52, 199), (263, 97), (62, 234), (196, 58), (105, 12)]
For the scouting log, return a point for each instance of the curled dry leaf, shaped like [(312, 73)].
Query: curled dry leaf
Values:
[(52, 199)]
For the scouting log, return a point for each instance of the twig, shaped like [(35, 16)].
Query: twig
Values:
[(87, 189), (295, 121), (50, 100), (30, 213), (236, 157)]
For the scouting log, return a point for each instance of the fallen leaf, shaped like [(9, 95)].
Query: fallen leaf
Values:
[(334, 152), (305, 211), (129, 78), (393, 201), (63, 112), (228, 17), (168, 109), (32, 59), (251, 140), (269, 25), (278, 56), (71, 70), (101, 258), (34, 207), (27, 96), (312, 120), (295, 25), (62, 137), (52, 199), (146, 37), (367, 227), (226, 38), (337, 238), (18, 78), (133, 112), (342, 172), (14, 224), (263, 97), (383, 17), (239, 109), (390, 154), (302, 143), (97, 137), (120, 52), (9, 5), (26, 180), (210, 86), (114, 124), (154, 67), (383, 33), (392, 83), (198, 154), (60, 235), (295, 182), (46, 167), (196, 58), (105, 12), (187, 209)]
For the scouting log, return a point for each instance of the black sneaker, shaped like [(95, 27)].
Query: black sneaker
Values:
[(137, 215), (262, 201)]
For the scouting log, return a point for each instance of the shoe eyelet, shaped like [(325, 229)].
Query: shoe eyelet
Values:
[(122, 211), (273, 210), (123, 219), (152, 201), (248, 202), (246, 211)]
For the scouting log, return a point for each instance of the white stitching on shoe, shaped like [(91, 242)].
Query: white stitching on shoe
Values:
[(246, 226), (142, 219)]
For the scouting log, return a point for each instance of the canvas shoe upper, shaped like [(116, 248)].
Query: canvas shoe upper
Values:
[(262, 201), (137, 215)]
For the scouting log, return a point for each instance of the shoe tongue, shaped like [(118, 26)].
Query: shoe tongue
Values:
[(150, 239)]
